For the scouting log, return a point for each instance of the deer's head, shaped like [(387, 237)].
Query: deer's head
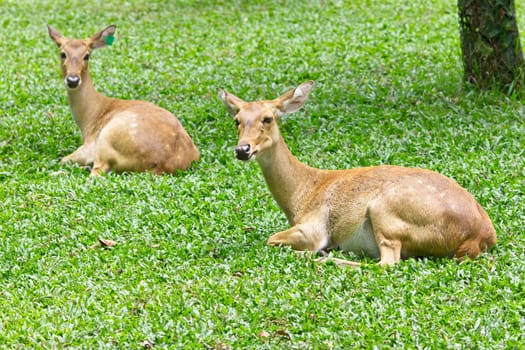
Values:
[(75, 53), (257, 121)]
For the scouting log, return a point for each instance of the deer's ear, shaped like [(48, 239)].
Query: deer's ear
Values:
[(54, 34), (231, 102), (294, 99), (103, 38)]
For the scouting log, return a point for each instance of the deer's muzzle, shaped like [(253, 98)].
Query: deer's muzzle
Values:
[(72, 81), (243, 152)]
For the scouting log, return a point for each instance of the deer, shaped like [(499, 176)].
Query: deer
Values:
[(118, 135), (383, 212)]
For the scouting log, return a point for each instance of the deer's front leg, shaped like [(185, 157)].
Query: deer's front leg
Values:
[(82, 156), (301, 237)]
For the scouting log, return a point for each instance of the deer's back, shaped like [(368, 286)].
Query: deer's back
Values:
[(140, 136), (430, 213)]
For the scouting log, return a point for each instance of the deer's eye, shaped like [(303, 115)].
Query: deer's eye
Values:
[(237, 122), (86, 57), (267, 120), (62, 55)]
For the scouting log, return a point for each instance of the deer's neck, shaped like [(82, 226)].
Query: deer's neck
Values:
[(289, 180), (88, 107)]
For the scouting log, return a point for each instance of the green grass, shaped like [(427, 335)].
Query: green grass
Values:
[(191, 269)]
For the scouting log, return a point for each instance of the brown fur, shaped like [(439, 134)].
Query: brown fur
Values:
[(385, 212), (118, 135)]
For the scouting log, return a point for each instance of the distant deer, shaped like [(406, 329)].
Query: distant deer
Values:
[(118, 135), (385, 212)]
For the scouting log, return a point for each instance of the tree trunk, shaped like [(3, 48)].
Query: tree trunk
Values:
[(490, 43)]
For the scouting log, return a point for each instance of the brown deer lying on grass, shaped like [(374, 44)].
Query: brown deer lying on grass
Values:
[(385, 212), (118, 135)]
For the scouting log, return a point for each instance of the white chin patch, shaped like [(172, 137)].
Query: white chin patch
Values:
[(254, 155)]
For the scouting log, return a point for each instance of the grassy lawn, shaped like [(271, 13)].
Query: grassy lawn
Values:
[(191, 269)]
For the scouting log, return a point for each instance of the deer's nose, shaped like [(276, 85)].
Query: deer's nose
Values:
[(242, 152), (73, 81)]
